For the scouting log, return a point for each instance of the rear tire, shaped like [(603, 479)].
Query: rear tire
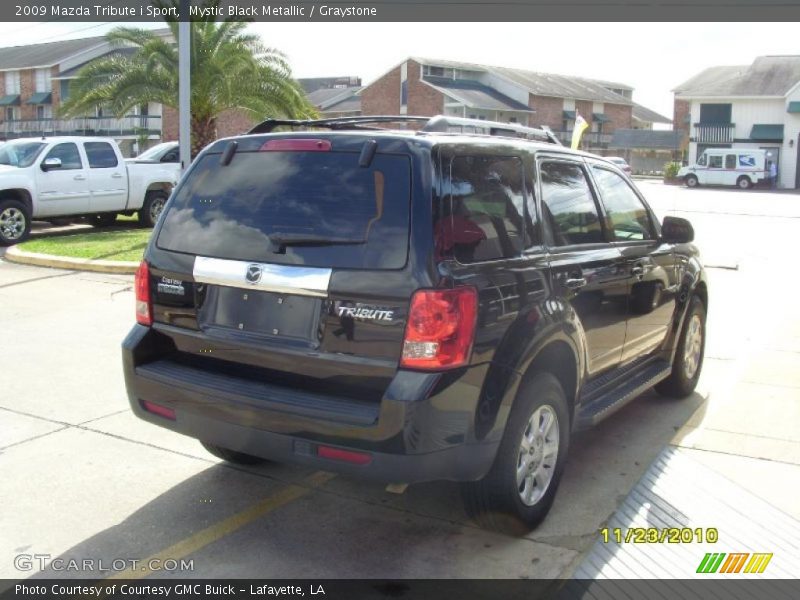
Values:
[(688, 361), (231, 456), (517, 493), (691, 181), (15, 222), (744, 183), (154, 202)]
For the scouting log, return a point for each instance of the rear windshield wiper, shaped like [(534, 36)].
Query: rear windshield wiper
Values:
[(281, 240)]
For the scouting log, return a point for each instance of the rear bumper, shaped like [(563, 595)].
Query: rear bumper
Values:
[(421, 430)]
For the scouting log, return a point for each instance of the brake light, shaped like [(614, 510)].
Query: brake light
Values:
[(144, 313), (157, 409), (440, 328), (296, 145), (349, 456)]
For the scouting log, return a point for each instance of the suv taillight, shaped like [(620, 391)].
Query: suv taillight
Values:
[(144, 314), (440, 328)]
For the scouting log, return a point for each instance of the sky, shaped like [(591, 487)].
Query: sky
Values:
[(653, 58)]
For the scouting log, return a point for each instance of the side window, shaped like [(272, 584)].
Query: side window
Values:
[(68, 153), (702, 160), (715, 161), (484, 218), (568, 206), (730, 161), (101, 155), (170, 157), (627, 216)]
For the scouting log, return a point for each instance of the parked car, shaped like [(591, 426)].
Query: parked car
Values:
[(620, 162), (743, 168), (50, 178), (411, 306), (166, 152)]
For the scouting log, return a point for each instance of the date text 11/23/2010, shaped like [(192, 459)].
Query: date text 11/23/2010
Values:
[(656, 535)]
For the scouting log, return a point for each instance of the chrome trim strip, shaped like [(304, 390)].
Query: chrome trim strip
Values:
[(284, 279)]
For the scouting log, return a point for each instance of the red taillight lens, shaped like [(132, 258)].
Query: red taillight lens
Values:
[(356, 458), (440, 328), (144, 313), (157, 409), (296, 145)]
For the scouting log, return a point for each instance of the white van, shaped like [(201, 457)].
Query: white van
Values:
[(727, 166)]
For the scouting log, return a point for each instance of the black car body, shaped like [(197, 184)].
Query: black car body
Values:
[(374, 301)]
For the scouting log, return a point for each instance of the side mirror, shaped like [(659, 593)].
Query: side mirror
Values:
[(675, 230), (48, 164)]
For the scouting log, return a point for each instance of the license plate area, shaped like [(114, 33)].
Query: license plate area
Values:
[(263, 314)]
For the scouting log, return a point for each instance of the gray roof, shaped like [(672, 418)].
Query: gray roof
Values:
[(475, 95), (326, 98), (312, 84), (767, 76), (45, 55), (544, 84), (73, 72), (352, 104), (646, 138), (642, 113)]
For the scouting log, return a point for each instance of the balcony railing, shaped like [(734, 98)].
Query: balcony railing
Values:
[(590, 138), (717, 133), (132, 125)]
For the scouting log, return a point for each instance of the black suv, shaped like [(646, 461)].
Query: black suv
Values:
[(449, 302)]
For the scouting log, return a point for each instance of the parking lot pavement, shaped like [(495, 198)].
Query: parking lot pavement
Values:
[(91, 482)]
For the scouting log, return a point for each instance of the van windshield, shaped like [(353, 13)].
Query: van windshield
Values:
[(307, 208)]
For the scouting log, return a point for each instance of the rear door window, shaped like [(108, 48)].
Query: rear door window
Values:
[(568, 205), (101, 155), (483, 213), (307, 208)]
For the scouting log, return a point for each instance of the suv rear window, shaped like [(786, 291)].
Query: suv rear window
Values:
[(311, 208)]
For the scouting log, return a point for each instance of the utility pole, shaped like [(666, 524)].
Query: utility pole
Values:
[(184, 85)]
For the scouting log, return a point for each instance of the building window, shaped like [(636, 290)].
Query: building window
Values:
[(11, 113), (12, 82), (44, 111), (43, 83)]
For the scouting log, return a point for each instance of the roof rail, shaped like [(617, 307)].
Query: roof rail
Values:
[(334, 123), (439, 123), (460, 125)]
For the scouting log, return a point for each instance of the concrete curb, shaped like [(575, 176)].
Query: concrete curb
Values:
[(16, 255)]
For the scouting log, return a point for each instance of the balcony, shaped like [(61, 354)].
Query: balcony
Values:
[(129, 126), (589, 138), (713, 133)]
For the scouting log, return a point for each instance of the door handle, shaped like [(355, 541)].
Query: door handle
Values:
[(117, 176), (574, 283), (79, 177)]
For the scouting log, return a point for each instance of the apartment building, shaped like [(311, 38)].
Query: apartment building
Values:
[(748, 106)]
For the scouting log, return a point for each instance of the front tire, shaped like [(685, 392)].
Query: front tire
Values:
[(154, 202), (691, 181), (688, 361), (231, 456), (15, 222), (517, 493)]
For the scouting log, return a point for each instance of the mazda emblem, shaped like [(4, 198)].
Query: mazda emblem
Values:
[(253, 274)]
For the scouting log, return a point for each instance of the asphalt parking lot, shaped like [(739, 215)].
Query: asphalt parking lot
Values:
[(83, 479)]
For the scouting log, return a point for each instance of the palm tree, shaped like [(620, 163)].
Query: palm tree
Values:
[(230, 70)]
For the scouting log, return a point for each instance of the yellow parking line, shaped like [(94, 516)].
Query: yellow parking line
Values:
[(203, 538)]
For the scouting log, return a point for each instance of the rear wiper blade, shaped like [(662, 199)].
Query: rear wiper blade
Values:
[(281, 240)]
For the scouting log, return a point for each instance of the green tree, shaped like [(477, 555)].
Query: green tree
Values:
[(230, 70)]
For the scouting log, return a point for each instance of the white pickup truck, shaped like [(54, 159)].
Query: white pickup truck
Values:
[(50, 178)]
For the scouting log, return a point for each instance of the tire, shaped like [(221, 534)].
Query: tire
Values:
[(691, 181), (496, 501), (231, 456), (102, 219), (15, 222), (688, 361), (744, 183), (151, 209)]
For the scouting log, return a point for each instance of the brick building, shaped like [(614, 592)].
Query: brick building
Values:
[(427, 87)]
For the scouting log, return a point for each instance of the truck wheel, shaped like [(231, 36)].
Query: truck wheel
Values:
[(688, 359), (151, 209), (103, 219), (15, 222), (744, 182), (231, 456), (691, 181), (518, 491)]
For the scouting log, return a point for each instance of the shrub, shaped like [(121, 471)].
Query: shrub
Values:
[(671, 169)]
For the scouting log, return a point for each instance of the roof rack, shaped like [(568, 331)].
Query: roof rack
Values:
[(437, 124)]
